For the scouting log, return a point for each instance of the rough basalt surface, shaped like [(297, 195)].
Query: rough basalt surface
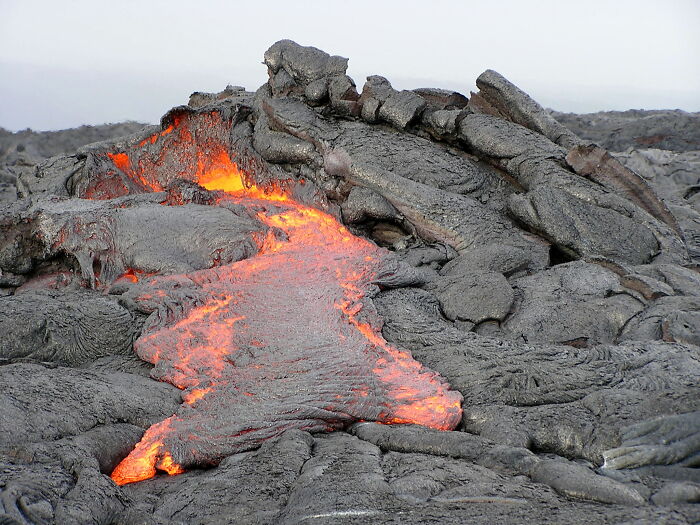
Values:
[(265, 291), (672, 130)]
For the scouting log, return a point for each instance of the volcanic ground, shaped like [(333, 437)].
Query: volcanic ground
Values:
[(312, 305)]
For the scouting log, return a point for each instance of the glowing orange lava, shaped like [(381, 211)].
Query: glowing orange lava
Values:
[(122, 161), (147, 456), (272, 318), (224, 175)]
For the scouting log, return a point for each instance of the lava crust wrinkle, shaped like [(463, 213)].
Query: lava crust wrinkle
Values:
[(285, 339)]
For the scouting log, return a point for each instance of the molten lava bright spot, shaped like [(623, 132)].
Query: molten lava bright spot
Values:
[(278, 341)]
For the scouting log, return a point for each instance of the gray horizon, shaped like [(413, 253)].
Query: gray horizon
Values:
[(96, 62)]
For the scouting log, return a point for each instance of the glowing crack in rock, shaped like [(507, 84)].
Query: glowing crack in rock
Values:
[(285, 339)]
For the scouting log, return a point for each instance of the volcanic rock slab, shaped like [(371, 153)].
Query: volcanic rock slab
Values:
[(65, 328)]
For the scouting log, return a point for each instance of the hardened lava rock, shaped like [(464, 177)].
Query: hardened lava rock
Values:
[(318, 304)]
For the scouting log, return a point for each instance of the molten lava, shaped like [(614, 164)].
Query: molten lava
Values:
[(278, 341)]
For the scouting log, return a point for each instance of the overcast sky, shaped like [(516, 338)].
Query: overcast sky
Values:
[(66, 63)]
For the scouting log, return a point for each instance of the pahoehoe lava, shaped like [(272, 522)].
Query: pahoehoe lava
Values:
[(278, 341)]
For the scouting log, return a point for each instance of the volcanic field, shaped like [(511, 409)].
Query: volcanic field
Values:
[(312, 305)]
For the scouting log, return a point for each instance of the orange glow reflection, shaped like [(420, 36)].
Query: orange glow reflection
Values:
[(204, 339)]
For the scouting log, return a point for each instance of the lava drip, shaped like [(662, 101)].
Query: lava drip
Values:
[(285, 339)]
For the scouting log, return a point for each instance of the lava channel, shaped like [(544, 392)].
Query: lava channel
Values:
[(286, 339)]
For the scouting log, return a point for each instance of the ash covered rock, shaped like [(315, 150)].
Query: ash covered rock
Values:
[(550, 285), (45, 144), (111, 237), (22, 152), (675, 177), (474, 297), (672, 130), (576, 303), (67, 327), (61, 431)]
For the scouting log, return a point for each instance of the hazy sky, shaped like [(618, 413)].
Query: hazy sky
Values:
[(65, 63)]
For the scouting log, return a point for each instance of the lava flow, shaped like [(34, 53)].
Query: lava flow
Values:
[(282, 340)]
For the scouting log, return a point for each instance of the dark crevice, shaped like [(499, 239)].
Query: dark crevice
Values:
[(558, 256)]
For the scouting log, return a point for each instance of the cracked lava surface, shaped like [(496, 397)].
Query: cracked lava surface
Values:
[(285, 339)]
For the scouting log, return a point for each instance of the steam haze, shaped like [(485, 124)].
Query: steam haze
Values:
[(63, 64)]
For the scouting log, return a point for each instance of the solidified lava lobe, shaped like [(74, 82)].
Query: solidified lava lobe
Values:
[(278, 341)]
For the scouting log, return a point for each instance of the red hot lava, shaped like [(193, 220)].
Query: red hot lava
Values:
[(282, 340)]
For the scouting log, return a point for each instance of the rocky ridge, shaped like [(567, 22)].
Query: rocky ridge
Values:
[(672, 130)]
